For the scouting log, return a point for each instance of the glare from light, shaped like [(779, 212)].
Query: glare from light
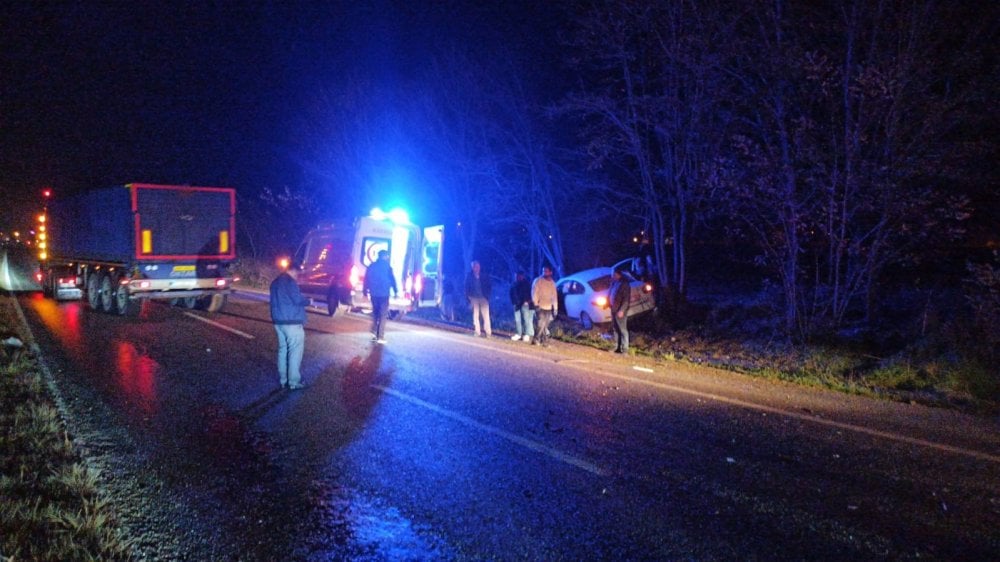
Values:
[(399, 216)]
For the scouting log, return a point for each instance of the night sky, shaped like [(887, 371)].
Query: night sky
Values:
[(95, 94)]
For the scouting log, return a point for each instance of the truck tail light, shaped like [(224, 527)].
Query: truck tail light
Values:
[(38, 276), (220, 282)]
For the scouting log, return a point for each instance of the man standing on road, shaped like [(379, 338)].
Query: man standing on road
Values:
[(478, 290), (288, 314), (543, 294), (379, 280), (524, 313), (619, 297)]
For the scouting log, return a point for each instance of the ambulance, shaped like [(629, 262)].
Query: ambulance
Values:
[(334, 257)]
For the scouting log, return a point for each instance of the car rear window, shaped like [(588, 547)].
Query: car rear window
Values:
[(602, 283)]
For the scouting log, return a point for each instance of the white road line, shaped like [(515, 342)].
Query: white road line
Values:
[(815, 419), (759, 407), (527, 443), (643, 369), (221, 326)]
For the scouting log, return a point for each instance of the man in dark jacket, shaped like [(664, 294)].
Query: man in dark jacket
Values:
[(379, 280), (524, 313), (619, 297), (288, 314)]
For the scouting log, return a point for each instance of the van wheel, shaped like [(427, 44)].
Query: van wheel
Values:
[(332, 301)]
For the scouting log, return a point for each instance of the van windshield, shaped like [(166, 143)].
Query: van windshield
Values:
[(331, 247)]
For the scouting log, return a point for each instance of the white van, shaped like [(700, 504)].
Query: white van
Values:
[(334, 258)]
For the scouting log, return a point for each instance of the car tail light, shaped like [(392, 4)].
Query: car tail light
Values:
[(67, 280), (601, 301)]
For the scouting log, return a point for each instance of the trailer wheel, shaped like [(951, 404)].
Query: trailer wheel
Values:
[(94, 290), (106, 294), (216, 303), (123, 305)]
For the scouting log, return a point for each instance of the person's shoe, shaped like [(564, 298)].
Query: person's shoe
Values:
[(381, 341), (526, 339), (515, 337), (374, 338), (298, 386)]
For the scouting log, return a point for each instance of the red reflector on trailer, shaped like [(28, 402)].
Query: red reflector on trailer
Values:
[(220, 282)]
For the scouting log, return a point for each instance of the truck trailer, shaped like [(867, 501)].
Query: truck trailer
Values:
[(122, 245)]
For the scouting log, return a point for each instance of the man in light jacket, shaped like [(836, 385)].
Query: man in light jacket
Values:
[(543, 294)]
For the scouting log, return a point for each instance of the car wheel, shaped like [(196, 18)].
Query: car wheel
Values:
[(586, 321)]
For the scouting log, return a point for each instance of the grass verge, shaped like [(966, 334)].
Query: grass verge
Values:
[(51, 507)]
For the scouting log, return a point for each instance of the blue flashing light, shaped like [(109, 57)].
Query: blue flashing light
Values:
[(397, 215)]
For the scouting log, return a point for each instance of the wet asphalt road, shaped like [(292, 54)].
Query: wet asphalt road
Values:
[(442, 446)]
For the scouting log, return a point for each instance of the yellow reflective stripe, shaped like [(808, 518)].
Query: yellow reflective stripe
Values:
[(223, 241), (147, 241)]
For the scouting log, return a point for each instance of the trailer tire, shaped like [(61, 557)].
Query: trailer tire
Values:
[(94, 290), (106, 293), (216, 303), (124, 306)]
